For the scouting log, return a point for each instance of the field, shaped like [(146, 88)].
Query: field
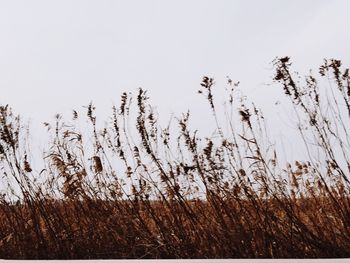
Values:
[(134, 189)]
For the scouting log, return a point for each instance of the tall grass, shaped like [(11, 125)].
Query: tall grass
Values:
[(134, 189)]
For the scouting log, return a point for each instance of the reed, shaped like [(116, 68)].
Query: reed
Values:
[(134, 189)]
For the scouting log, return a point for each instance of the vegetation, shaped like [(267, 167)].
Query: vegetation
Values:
[(153, 192)]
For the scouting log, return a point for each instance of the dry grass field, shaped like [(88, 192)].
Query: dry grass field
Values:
[(134, 189)]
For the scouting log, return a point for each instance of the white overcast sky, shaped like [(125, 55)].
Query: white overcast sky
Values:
[(60, 55)]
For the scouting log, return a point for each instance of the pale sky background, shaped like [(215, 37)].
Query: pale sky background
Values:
[(56, 56)]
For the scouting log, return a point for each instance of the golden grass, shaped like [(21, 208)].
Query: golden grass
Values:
[(156, 192)]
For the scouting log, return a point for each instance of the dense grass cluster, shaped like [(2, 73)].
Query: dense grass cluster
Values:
[(134, 189)]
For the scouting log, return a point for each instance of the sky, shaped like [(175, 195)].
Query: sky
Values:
[(56, 56)]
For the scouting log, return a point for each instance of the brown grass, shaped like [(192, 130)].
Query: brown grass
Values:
[(155, 192)]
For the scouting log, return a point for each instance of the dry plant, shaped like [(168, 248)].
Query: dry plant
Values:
[(134, 189)]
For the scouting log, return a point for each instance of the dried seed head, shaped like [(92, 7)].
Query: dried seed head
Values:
[(26, 165), (97, 164)]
